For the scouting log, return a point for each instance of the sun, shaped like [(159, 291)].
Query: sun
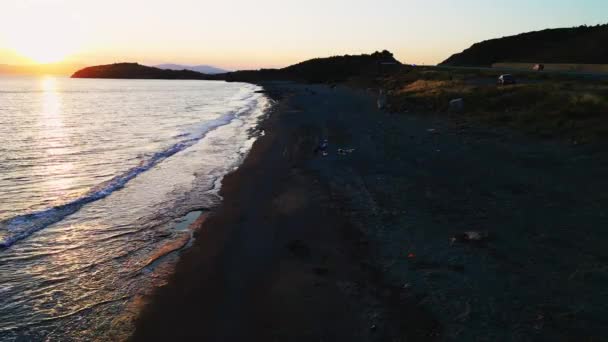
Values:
[(44, 48), (44, 38), (41, 54)]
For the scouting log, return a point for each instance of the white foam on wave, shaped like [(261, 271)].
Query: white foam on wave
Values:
[(19, 227)]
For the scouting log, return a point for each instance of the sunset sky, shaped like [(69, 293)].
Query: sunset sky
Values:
[(268, 33)]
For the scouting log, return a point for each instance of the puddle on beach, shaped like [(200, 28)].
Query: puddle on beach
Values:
[(185, 222), (160, 265)]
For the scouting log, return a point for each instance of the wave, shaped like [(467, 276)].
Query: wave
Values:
[(19, 227)]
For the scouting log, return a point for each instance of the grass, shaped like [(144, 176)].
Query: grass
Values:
[(550, 106)]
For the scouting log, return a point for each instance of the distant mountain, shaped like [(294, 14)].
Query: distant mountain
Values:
[(39, 69), (137, 71), (580, 45), (205, 69), (330, 69)]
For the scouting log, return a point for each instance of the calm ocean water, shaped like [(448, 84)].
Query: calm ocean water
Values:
[(98, 182)]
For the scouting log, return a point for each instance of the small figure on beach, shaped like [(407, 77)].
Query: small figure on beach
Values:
[(381, 99)]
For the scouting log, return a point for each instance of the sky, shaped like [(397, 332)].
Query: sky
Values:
[(245, 34)]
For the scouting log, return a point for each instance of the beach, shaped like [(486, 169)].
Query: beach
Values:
[(303, 171), (411, 227)]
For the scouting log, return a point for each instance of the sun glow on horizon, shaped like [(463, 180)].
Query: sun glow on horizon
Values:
[(43, 47), (45, 35), (40, 54)]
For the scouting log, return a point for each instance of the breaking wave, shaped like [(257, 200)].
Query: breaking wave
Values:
[(19, 227)]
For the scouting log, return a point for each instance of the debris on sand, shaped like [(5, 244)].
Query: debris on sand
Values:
[(345, 151), (456, 105), (470, 236), (322, 147), (475, 236)]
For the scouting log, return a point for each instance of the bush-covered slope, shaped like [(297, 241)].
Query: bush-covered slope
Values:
[(583, 45), (329, 69)]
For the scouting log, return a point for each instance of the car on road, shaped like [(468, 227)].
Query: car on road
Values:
[(506, 79)]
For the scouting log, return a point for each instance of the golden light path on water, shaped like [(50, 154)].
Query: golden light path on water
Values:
[(53, 138)]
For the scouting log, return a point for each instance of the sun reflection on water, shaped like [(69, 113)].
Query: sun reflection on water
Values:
[(51, 104), (53, 139)]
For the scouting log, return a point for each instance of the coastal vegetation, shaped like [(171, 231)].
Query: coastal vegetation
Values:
[(543, 105), (324, 70)]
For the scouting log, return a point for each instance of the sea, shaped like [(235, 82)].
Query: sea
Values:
[(100, 182)]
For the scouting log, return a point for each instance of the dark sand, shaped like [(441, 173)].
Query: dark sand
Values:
[(357, 247)]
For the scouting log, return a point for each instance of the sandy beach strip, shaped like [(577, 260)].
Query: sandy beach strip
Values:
[(277, 260)]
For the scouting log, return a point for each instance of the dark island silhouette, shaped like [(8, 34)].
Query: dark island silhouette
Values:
[(580, 45), (137, 71)]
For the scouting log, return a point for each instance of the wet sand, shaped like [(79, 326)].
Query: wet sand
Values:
[(368, 245)]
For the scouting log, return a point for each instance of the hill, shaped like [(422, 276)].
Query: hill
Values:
[(137, 71), (205, 69), (581, 45), (330, 69)]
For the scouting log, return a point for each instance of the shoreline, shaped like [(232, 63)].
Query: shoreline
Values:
[(108, 229)]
